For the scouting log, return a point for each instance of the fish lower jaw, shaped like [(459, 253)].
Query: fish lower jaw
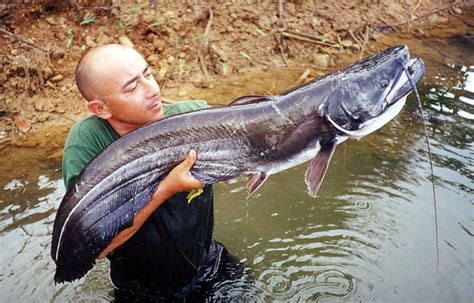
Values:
[(374, 124)]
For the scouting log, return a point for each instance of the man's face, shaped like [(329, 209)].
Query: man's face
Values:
[(129, 89)]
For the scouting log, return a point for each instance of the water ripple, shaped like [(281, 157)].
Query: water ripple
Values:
[(310, 283)]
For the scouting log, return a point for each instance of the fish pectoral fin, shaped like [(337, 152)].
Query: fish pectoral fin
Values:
[(255, 182), (318, 166), (250, 100)]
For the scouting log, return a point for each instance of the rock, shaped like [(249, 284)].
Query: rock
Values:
[(321, 60), (23, 124), (169, 14), (103, 38), (349, 44), (395, 10), (220, 53), (124, 40), (42, 117), (175, 25), (90, 42), (14, 52), (61, 20), (51, 21), (153, 59), (456, 11), (50, 84), (163, 70), (264, 21), (378, 35), (57, 78), (38, 105), (290, 9), (158, 43)]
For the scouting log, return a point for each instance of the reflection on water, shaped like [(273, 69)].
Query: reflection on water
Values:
[(369, 235)]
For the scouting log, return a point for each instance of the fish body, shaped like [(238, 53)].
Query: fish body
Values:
[(256, 136)]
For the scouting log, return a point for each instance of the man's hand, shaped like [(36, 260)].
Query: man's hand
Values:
[(180, 179)]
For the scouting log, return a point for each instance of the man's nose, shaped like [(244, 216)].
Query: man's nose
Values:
[(151, 87)]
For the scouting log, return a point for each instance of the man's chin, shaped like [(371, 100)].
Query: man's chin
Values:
[(157, 115), (156, 107)]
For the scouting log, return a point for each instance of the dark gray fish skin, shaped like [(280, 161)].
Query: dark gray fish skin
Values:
[(256, 136)]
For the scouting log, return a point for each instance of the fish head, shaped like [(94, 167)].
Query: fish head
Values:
[(368, 92)]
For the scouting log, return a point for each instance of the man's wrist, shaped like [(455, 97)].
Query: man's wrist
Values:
[(163, 192)]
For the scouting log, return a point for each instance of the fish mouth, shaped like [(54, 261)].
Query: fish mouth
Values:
[(393, 102), (416, 69)]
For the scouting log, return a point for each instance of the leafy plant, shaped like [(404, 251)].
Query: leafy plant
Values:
[(163, 70), (326, 38), (245, 55), (70, 37), (258, 30), (121, 25), (88, 19), (155, 24), (198, 37), (181, 66), (136, 9), (225, 69)]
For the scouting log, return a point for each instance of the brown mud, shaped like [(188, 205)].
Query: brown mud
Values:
[(198, 50)]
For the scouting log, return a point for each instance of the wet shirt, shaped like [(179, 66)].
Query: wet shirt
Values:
[(89, 136), (173, 250)]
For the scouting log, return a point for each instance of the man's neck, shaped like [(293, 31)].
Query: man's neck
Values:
[(122, 128)]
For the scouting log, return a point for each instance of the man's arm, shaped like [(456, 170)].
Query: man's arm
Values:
[(178, 180)]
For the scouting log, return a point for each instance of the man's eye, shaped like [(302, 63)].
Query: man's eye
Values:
[(148, 75), (132, 87)]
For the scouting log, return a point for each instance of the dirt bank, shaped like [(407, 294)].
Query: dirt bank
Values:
[(197, 50)]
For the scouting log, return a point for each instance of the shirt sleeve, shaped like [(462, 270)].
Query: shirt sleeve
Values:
[(86, 140), (75, 158), (183, 107)]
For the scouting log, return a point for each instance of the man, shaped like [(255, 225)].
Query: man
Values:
[(169, 252)]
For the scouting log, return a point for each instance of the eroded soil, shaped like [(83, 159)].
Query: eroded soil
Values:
[(215, 52)]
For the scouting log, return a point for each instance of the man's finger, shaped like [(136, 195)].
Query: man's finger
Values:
[(190, 159)]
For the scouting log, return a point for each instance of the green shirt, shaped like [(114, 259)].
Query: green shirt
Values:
[(89, 136), (173, 249)]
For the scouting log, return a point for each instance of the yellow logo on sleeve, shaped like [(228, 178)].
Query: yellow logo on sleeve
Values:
[(194, 193)]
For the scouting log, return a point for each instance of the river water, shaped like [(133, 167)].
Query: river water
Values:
[(368, 236)]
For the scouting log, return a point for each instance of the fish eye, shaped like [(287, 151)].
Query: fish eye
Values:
[(384, 83)]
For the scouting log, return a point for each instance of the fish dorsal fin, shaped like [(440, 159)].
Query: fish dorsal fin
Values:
[(250, 100), (255, 182), (318, 166)]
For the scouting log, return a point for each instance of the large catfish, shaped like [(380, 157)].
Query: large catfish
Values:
[(256, 136)]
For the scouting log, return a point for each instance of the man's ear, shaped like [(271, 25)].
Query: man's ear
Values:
[(99, 108)]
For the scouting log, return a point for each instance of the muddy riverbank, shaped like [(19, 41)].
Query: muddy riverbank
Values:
[(196, 49)]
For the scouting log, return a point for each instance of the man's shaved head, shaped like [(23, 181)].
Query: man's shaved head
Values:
[(119, 86), (90, 68)]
